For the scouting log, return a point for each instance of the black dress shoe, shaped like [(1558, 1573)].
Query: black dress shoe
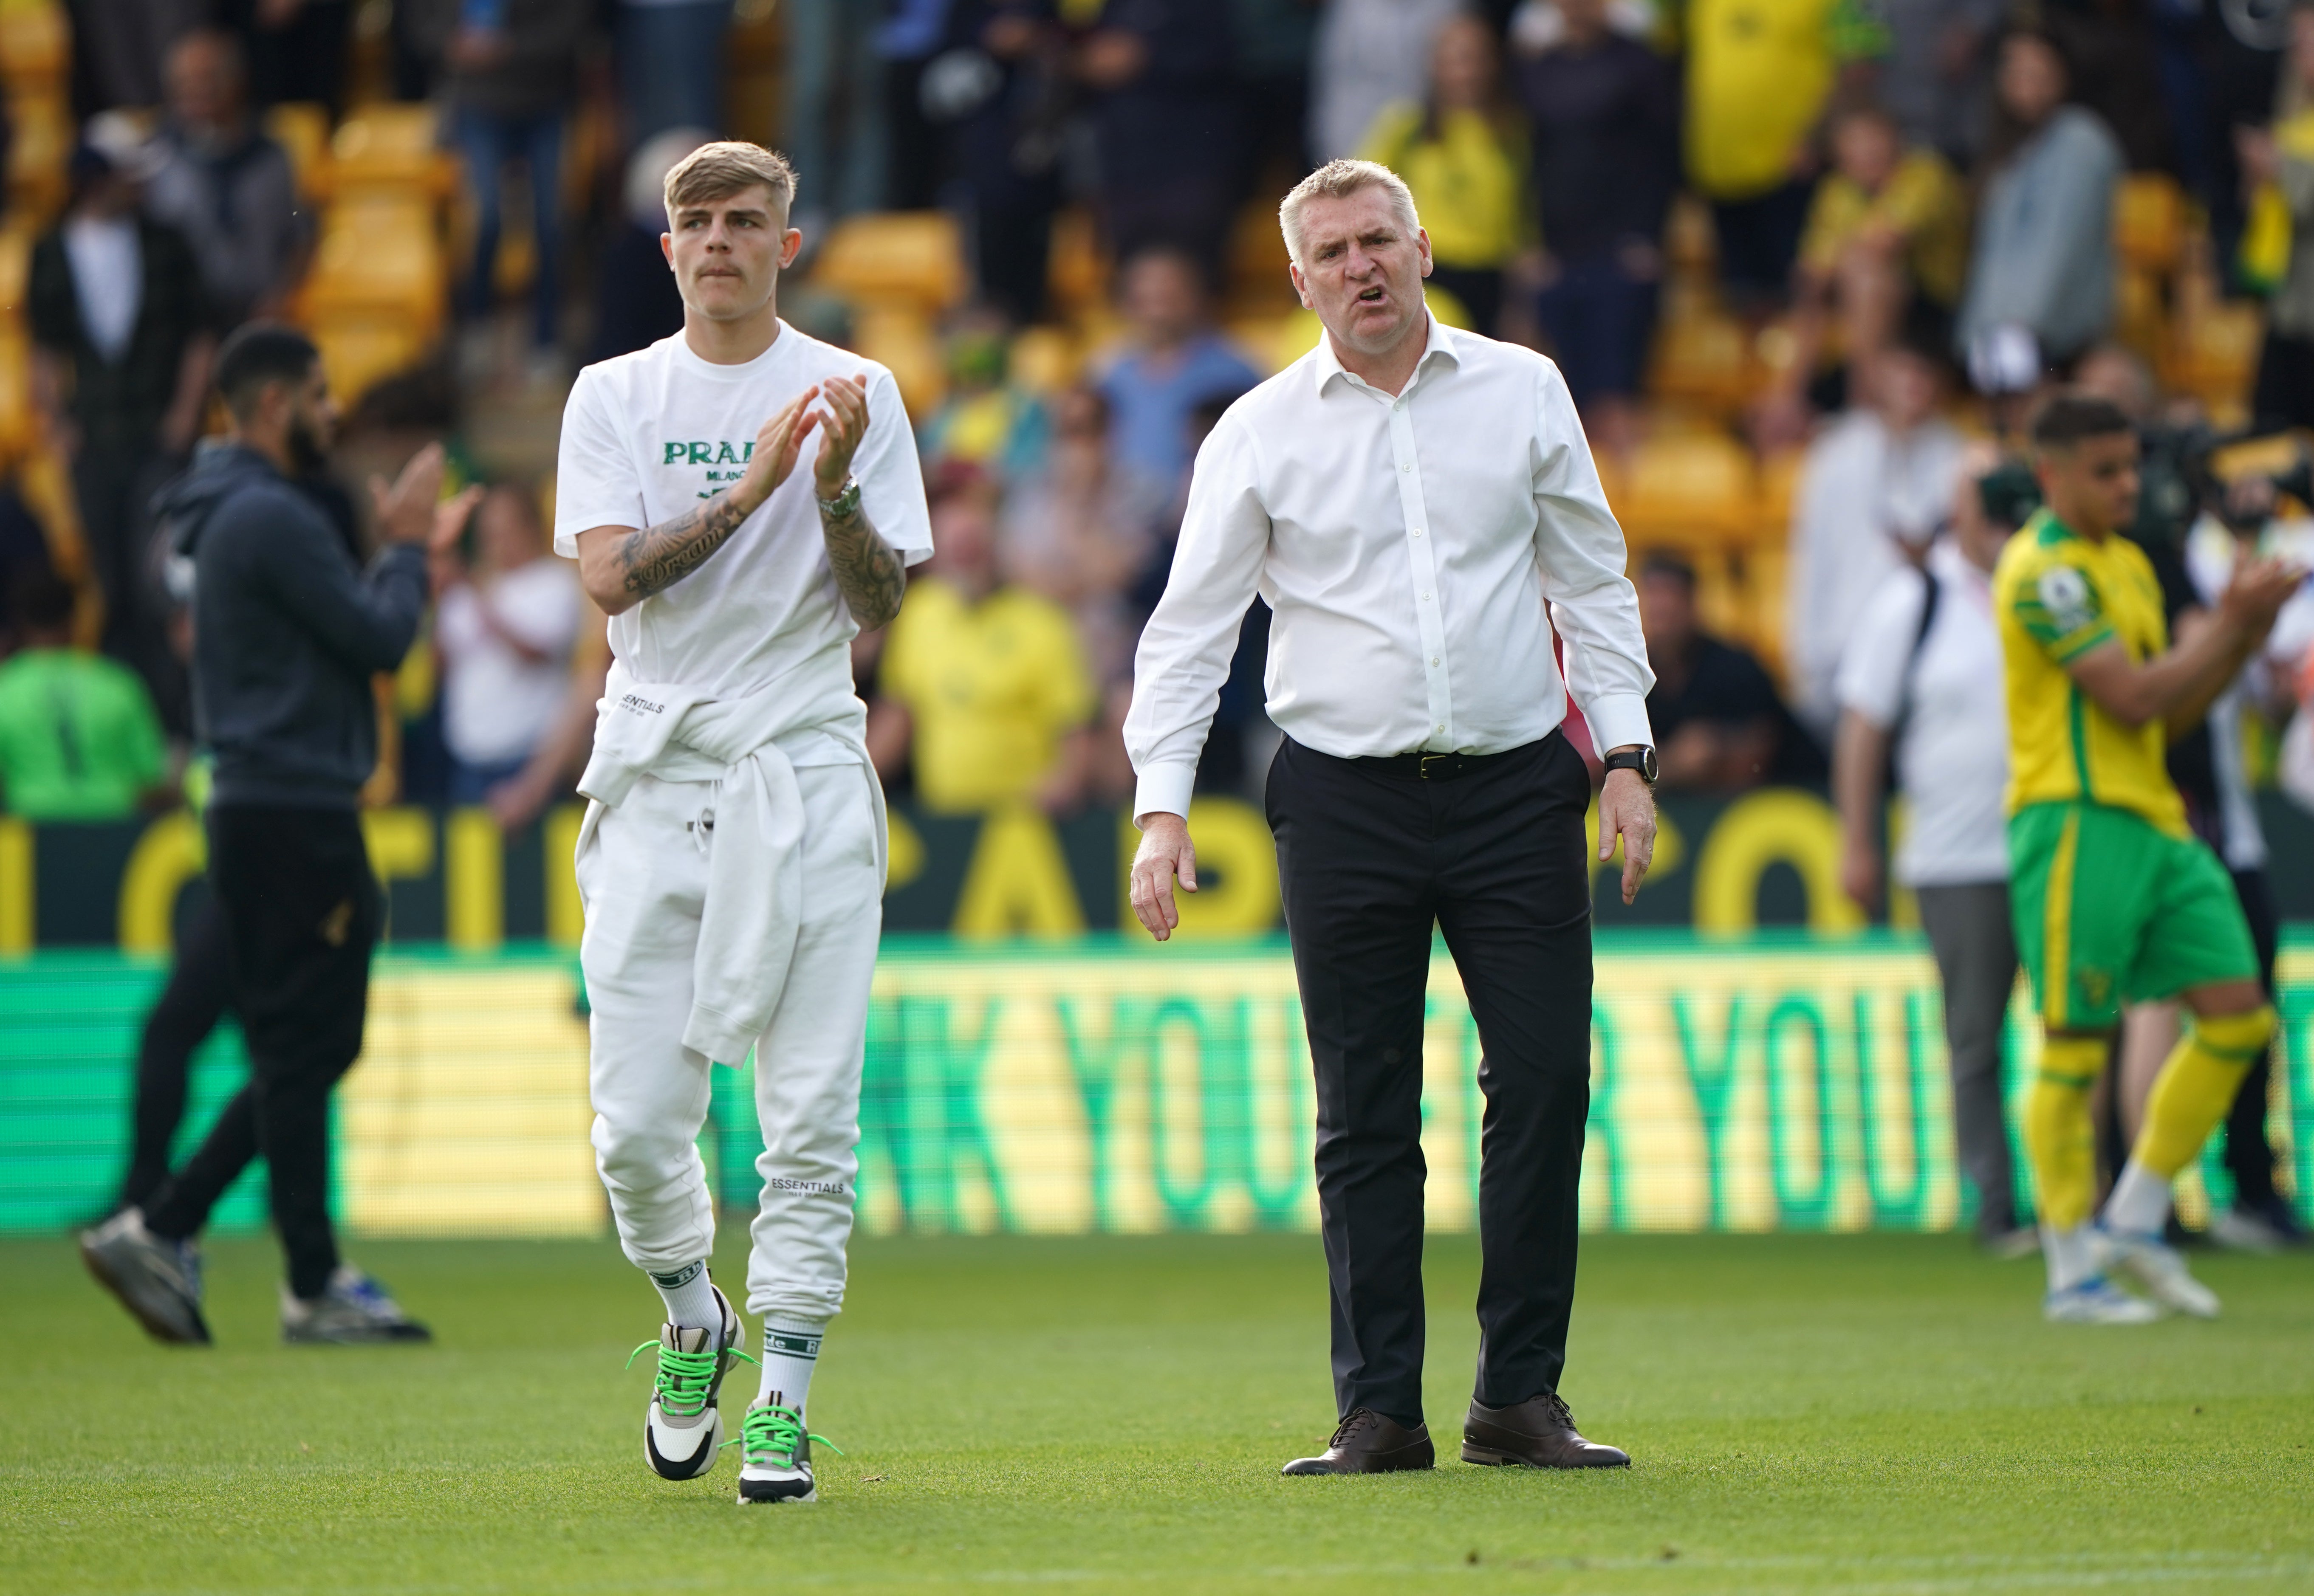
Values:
[(1365, 1442), (1536, 1433)]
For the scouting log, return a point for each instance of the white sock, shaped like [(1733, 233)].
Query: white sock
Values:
[(788, 1355), (2140, 1202), (690, 1297), (2070, 1258)]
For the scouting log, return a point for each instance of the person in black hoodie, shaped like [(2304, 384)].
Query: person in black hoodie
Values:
[(287, 634)]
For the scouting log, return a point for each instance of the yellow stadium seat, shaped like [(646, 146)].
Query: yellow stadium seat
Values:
[(1076, 273), (1706, 361), (1779, 480), (302, 130), (15, 268), (358, 351), (1258, 283), (902, 340), (380, 255), (1044, 360), (2213, 355), (2149, 221), (35, 47), (1689, 245), (912, 258), (19, 425), (40, 148), (391, 145), (1692, 491)]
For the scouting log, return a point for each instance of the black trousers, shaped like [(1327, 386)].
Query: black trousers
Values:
[(199, 992), (302, 913), (2249, 1157), (1370, 859)]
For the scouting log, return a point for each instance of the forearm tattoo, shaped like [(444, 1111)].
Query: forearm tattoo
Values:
[(658, 557), (869, 571)]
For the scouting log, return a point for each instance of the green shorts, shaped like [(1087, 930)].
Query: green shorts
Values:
[(2110, 909)]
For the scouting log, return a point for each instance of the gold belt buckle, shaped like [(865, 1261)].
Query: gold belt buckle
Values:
[(1424, 768)]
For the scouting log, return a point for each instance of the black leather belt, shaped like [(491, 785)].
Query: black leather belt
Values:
[(1435, 767)]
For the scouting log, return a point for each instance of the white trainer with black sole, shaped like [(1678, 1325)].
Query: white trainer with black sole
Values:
[(2159, 1268), (775, 1456), (2096, 1301), (683, 1428), (158, 1281)]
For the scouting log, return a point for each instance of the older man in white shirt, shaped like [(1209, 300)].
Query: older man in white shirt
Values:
[(1419, 506)]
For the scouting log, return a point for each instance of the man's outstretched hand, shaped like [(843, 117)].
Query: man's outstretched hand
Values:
[(1165, 854), (1627, 809)]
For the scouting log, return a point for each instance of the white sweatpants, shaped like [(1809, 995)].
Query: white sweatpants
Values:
[(642, 876)]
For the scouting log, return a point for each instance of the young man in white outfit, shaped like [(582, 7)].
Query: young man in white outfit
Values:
[(731, 862)]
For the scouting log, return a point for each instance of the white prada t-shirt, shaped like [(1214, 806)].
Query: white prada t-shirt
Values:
[(648, 435)]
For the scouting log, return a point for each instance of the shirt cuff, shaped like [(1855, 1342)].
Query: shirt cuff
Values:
[(1166, 787), (1616, 718)]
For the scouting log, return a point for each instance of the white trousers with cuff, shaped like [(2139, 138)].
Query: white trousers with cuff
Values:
[(642, 877)]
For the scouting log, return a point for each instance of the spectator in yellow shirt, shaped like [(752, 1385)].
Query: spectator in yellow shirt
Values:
[(1759, 76), (1887, 232), (1464, 154), (989, 676)]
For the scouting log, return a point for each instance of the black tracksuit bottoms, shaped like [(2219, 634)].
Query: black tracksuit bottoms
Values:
[(302, 913), (1370, 858)]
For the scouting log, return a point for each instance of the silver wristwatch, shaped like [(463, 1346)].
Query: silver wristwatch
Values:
[(846, 502)]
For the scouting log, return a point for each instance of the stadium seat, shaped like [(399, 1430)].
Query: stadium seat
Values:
[(39, 149), (1779, 478), (18, 426), (302, 130), (35, 47), (392, 146), (359, 350), (2213, 355), (1704, 361), (903, 259), (1045, 359), (901, 337), (1076, 275), (380, 255), (1687, 490), (2149, 221)]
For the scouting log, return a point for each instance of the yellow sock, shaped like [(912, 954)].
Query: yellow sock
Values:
[(2057, 1133), (2198, 1085)]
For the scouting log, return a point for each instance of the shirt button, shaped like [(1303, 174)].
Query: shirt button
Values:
[(1406, 468), (1442, 728), (1433, 659), (1418, 531)]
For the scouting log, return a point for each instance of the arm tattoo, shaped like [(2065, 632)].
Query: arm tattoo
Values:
[(869, 571), (657, 557)]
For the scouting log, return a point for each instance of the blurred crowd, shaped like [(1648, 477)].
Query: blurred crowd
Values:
[(1842, 246)]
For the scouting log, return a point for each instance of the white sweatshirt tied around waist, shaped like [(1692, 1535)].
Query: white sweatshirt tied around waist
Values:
[(754, 904)]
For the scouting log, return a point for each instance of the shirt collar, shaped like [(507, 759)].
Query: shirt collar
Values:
[(1329, 364)]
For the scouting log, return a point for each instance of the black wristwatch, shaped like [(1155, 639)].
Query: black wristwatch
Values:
[(1641, 759)]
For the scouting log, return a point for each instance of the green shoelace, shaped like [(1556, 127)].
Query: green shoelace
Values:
[(772, 1435), (684, 1379)]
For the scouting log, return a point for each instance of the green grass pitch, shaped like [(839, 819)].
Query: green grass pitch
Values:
[(1856, 1414)]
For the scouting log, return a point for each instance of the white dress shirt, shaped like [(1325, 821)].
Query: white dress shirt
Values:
[(1409, 545)]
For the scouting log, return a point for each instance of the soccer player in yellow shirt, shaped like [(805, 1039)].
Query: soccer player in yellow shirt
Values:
[(2115, 899)]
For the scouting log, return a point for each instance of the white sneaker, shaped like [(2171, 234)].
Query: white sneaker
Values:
[(683, 1428), (354, 1310), (775, 1456), (2159, 1268), (158, 1281), (2096, 1301), (2245, 1230)]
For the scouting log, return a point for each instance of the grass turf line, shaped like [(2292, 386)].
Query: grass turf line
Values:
[(1808, 1414)]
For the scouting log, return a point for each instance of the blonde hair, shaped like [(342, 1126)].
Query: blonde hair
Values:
[(719, 171), (1339, 180)]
